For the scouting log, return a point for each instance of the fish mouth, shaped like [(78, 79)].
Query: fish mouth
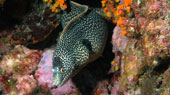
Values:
[(57, 84), (58, 80)]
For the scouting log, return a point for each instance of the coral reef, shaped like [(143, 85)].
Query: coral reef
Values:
[(17, 69), (118, 14), (20, 59), (143, 48)]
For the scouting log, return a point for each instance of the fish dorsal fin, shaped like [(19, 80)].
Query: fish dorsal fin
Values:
[(75, 18)]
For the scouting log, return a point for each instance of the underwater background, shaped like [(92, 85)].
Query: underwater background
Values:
[(135, 59)]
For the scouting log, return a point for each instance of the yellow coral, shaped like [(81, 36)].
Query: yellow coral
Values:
[(117, 1), (116, 68), (47, 0), (113, 62), (128, 9), (56, 4)]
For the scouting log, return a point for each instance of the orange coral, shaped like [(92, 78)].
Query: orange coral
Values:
[(108, 14), (53, 9), (103, 3), (113, 62), (16, 41), (58, 4), (120, 21), (64, 7), (116, 68), (105, 9), (127, 2), (110, 7), (124, 33), (120, 7), (117, 14)]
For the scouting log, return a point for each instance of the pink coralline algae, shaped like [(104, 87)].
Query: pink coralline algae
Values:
[(44, 73), (119, 41), (67, 88), (44, 76), (16, 70)]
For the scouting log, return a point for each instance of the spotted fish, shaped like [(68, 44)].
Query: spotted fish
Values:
[(82, 41)]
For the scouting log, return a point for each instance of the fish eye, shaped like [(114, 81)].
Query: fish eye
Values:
[(62, 71)]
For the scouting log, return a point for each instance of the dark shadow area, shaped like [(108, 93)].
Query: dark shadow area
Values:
[(49, 41), (13, 11), (90, 3), (162, 67), (87, 79)]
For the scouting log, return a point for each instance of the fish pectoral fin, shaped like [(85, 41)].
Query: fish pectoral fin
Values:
[(82, 51), (87, 44)]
